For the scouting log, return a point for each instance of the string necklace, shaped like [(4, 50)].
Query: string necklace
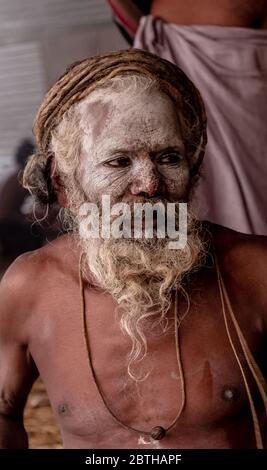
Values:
[(257, 375), (157, 432)]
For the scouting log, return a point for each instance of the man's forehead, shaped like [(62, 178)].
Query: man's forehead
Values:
[(95, 115), (96, 99), (103, 107), (114, 123)]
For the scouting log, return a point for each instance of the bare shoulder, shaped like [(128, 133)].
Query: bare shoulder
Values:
[(243, 261), (241, 251), (27, 269), (28, 275)]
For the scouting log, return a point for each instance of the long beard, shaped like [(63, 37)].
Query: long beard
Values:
[(140, 274)]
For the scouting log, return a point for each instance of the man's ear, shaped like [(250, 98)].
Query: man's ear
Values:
[(58, 185)]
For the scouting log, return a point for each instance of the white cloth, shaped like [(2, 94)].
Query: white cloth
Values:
[(229, 67)]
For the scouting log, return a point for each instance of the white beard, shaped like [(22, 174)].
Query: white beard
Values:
[(141, 274)]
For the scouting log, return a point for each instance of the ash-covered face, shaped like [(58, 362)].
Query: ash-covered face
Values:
[(132, 147)]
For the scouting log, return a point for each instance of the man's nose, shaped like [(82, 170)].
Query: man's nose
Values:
[(145, 180)]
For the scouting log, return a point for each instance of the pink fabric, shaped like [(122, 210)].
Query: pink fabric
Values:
[(229, 66)]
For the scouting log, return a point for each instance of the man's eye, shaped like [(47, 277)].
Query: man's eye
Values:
[(120, 162), (169, 159)]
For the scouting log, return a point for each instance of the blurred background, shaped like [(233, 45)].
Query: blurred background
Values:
[(38, 39)]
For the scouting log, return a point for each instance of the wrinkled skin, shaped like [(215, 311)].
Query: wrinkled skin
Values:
[(115, 157)]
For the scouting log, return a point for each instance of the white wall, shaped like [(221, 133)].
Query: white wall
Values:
[(38, 39)]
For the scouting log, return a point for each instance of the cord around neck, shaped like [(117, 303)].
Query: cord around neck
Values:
[(157, 432)]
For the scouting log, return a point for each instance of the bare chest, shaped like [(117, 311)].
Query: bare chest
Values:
[(99, 405)]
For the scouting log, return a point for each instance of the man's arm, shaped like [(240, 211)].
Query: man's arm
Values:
[(127, 14), (17, 368)]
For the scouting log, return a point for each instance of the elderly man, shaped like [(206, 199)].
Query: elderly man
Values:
[(222, 46), (139, 345)]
